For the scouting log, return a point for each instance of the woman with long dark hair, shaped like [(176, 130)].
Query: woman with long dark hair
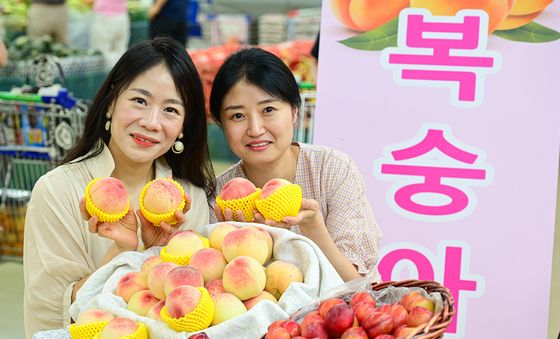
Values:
[(147, 121)]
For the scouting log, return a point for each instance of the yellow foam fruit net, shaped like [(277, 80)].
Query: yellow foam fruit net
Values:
[(285, 201), (198, 319), (245, 204), (141, 333), (87, 331), (178, 259), (157, 218), (101, 215)]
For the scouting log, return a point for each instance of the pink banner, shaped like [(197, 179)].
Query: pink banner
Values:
[(452, 115)]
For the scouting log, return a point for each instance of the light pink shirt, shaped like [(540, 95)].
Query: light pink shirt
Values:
[(332, 178), (110, 7)]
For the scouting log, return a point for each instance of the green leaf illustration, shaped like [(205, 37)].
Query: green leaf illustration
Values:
[(531, 32), (376, 39)]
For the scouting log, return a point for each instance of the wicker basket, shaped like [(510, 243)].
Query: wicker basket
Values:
[(436, 327)]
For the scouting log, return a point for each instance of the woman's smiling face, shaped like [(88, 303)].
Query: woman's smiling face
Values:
[(147, 117), (258, 127)]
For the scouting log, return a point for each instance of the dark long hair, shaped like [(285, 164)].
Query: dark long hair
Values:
[(193, 164), (258, 67)]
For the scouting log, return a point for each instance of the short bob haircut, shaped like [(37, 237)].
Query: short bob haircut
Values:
[(193, 164), (259, 68)]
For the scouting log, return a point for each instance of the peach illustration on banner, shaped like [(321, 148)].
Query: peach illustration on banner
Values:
[(523, 12), (365, 15), (497, 9)]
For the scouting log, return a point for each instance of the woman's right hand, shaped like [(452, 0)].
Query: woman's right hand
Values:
[(228, 215), (122, 232)]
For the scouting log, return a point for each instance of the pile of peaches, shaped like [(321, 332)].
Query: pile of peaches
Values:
[(197, 282), (358, 318)]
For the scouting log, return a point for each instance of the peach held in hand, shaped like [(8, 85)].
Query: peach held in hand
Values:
[(107, 199), (238, 194), (278, 199), (279, 275), (244, 277), (160, 199), (121, 327)]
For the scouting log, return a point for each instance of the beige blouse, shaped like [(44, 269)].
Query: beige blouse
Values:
[(333, 179), (58, 248)]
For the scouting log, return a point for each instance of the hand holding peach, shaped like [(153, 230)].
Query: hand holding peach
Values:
[(279, 198), (237, 200), (160, 199)]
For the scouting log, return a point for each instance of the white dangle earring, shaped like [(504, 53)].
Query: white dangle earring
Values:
[(178, 146), (108, 123)]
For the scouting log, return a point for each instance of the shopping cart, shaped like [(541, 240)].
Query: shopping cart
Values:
[(36, 131), (303, 131)]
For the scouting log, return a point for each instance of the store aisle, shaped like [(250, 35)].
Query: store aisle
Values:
[(11, 297)]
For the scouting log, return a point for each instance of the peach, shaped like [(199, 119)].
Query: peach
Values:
[(327, 304), (515, 21), (237, 188), (200, 335), (182, 275), (362, 296), (141, 301), (184, 243), (264, 295), (523, 7), (315, 329), (355, 333), (248, 241), (271, 186), (405, 332), (292, 327), (363, 309), (275, 202), (311, 317), (418, 316), (131, 283), (209, 262), (397, 312), (108, 195), (218, 234), (226, 306), (378, 323), (365, 15), (370, 14), (93, 315), (156, 278), (278, 333), (155, 310), (118, 328), (276, 324), (182, 300), (279, 275), (244, 277), (339, 318), (497, 9), (214, 287), (162, 196), (413, 299), (149, 263)]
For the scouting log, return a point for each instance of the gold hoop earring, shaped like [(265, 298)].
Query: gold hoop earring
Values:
[(108, 123), (178, 145)]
